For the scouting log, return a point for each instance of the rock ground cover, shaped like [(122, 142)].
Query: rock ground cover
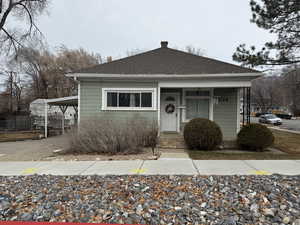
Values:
[(223, 200)]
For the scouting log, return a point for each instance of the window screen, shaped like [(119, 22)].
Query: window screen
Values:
[(197, 108)]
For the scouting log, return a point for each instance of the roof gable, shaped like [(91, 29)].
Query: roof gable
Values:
[(165, 60)]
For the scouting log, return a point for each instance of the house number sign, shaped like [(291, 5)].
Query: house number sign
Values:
[(223, 99)]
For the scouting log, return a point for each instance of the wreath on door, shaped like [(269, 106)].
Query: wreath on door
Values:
[(170, 108)]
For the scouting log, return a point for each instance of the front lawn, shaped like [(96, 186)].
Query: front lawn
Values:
[(286, 141), (206, 155)]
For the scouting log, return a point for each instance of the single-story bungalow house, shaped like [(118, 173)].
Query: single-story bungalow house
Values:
[(166, 85)]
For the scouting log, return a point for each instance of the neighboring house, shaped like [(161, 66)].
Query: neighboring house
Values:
[(166, 85)]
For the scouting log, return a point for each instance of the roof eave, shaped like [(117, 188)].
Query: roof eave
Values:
[(163, 76)]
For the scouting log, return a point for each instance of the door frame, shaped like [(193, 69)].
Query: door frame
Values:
[(210, 102), (177, 109)]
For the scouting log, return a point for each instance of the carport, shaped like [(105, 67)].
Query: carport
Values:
[(63, 104)]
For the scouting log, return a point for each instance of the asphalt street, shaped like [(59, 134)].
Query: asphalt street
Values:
[(286, 124)]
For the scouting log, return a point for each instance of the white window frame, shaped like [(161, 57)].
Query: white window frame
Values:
[(129, 90), (209, 97)]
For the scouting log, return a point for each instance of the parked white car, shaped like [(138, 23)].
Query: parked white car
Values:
[(270, 119)]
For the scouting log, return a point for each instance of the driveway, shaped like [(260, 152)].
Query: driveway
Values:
[(31, 150), (286, 124)]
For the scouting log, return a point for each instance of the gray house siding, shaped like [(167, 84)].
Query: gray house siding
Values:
[(91, 101), (225, 112)]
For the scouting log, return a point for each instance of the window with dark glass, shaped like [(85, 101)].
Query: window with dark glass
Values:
[(123, 99), (146, 99), (112, 99)]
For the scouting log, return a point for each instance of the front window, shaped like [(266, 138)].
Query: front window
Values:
[(128, 99)]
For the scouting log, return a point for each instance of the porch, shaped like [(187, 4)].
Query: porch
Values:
[(225, 106)]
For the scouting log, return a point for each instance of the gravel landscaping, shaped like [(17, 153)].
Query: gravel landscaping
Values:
[(224, 200)]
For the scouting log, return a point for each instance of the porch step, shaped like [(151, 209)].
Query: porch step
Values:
[(171, 141)]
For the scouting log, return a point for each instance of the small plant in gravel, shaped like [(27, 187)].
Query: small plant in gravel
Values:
[(202, 134), (255, 137), (114, 136)]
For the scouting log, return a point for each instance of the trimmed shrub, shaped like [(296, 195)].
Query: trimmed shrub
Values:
[(255, 137), (113, 136), (202, 134)]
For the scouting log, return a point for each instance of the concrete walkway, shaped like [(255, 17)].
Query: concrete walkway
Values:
[(166, 166)]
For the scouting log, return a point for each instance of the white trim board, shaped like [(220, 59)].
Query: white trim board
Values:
[(155, 76), (79, 103), (204, 84), (129, 90), (61, 99)]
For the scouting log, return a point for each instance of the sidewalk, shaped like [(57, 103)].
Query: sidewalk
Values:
[(165, 166)]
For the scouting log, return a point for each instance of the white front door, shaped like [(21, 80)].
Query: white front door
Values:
[(169, 111)]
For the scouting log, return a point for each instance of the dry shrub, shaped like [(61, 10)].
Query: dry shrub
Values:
[(114, 136)]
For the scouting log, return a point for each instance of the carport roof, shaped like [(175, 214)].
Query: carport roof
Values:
[(65, 101)]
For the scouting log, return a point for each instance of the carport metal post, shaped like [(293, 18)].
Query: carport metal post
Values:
[(46, 118), (63, 110)]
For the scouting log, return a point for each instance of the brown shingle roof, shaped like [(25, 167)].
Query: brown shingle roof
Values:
[(165, 60)]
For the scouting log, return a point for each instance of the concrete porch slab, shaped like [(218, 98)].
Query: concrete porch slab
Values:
[(169, 167), (223, 167), (286, 167), (114, 168)]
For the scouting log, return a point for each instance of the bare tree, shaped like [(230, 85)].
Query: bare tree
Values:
[(14, 86), (135, 52), (25, 11), (291, 85), (193, 50), (46, 70), (266, 93)]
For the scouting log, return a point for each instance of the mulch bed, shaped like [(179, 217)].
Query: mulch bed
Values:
[(226, 200)]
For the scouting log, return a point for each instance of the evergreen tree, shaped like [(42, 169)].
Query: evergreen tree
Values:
[(280, 17)]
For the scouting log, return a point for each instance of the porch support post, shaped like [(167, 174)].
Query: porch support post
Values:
[(158, 108), (238, 110), (46, 118), (244, 102), (211, 104), (78, 103), (76, 114), (248, 104)]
